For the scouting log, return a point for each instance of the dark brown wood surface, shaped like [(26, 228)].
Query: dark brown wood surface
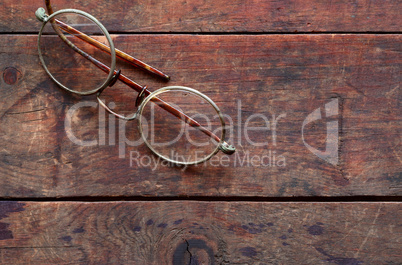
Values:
[(271, 75), (203, 232), (62, 203), (219, 16)]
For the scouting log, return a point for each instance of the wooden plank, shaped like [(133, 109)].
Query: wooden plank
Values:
[(213, 232), (220, 16), (245, 75)]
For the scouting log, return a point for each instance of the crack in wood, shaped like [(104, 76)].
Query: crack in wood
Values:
[(188, 250)]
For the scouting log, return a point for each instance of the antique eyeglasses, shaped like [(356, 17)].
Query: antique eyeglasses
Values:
[(179, 124)]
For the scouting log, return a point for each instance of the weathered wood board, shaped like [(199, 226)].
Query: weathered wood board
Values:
[(219, 16), (250, 58), (213, 232), (283, 78)]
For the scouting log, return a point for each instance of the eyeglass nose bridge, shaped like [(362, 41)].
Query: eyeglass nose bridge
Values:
[(138, 101)]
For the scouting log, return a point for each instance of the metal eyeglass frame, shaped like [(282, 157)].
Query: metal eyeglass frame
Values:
[(144, 95)]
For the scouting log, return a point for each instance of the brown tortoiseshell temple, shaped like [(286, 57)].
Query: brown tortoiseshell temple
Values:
[(122, 55)]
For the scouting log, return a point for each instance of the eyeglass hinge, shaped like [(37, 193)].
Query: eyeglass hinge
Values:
[(41, 14), (227, 148)]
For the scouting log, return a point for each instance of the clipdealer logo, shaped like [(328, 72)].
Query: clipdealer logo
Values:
[(243, 158), (330, 154)]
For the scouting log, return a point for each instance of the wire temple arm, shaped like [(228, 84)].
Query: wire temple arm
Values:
[(142, 90)]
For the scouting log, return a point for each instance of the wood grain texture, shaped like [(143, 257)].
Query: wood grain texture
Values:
[(213, 232), (219, 16), (274, 80), (245, 75)]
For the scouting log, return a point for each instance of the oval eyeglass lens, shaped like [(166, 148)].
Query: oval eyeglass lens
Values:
[(69, 67), (186, 137)]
